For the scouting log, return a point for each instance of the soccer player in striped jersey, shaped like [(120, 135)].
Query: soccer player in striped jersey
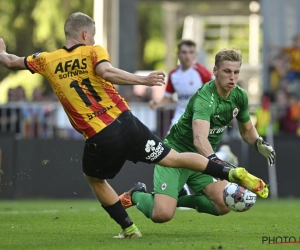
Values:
[(82, 77)]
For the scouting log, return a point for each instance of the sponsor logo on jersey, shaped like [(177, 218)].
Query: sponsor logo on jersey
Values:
[(217, 130), (71, 68), (98, 112), (235, 112), (155, 151), (184, 97), (164, 186), (72, 73), (70, 65)]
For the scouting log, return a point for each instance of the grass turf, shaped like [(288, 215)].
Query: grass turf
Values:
[(83, 224)]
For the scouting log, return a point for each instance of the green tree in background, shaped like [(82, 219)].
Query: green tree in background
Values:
[(31, 26), (152, 48)]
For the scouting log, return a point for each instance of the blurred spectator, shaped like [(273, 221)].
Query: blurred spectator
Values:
[(9, 115), (11, 95), (20, 94), (263, 115), (39, 115), (278, 71), (293, 53), (289, 122), (285, 67)]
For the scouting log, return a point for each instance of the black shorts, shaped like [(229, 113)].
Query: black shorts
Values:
[(127, 138)]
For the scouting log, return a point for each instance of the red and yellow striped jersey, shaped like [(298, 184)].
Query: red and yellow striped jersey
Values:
[(90, 102)]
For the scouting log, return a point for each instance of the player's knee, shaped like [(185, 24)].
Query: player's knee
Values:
[(222, 210), (162, 216), (94, 180), (221, 207)]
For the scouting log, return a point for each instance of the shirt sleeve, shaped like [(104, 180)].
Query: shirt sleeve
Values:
[(243, 115), (169, 87), (99, 55), (36, 63), (202, 107), (205, 74)]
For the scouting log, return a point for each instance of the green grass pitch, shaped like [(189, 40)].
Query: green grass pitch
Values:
[(83, 224)]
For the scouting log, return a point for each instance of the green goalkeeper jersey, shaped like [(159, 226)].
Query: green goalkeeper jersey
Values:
[(206, 104)]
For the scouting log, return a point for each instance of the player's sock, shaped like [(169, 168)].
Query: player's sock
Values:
[(199, 202), (144, 202), (217, 170), (119, 214)]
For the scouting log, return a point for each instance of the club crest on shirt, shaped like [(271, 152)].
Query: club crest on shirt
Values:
[(163, 186), (235, 112)]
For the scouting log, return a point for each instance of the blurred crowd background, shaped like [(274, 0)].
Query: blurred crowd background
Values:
[(141, 36)]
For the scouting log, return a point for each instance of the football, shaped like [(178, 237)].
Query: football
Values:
[(237, 198)]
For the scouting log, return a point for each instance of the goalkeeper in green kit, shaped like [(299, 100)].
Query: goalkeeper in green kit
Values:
[(200, 129)]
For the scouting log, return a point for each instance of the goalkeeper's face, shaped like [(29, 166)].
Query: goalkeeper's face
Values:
[(227, 74)]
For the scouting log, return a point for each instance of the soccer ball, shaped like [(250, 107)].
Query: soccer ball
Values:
[(237, 198)]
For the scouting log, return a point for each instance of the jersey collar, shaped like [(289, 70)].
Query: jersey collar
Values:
[(215, 92), (73, 47)]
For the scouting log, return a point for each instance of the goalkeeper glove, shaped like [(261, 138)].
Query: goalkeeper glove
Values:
[(215, 158), (266, 150)]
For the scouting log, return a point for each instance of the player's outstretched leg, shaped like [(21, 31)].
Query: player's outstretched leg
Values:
[(131, 232), (249, 181), (125, 198)]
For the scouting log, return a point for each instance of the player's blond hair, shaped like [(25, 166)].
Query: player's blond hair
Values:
[(228, 54), (75, 23)]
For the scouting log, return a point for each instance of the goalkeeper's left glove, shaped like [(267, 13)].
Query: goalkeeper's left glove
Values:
[(266, 150)]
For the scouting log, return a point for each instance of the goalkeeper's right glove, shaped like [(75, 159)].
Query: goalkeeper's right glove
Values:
[(266, 150)]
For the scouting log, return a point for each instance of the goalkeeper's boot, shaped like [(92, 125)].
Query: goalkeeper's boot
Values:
[(131, 232), (125, 198), (249, 181)]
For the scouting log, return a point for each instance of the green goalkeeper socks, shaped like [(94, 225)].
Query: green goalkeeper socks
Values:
[(144, 202), (199, 202)]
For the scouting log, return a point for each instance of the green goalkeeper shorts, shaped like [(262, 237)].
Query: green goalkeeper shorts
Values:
[(169, 181)]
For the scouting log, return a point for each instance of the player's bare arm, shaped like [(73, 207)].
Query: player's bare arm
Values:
[(200, 133), (248, 132), (10, 61), (117, 76)]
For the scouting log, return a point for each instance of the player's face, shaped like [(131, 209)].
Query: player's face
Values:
[(226, 76), (187, 55)]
